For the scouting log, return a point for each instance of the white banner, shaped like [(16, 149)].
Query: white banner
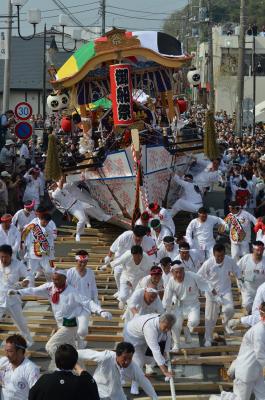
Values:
[(3, 52)]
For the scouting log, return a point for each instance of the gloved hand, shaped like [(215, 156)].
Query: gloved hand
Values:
[(107, 260), (106, 315), (103, 267)]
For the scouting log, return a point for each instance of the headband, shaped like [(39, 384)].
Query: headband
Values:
[(256, 246), (6, 218), (183, 249), (176, 266), (81, 257), (30, 205), (156, 271), (18, 346), (151, 290)]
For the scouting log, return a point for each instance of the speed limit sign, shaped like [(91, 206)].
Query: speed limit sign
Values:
[(23, 110)]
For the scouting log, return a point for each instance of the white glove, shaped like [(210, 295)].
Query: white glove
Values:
[(106, 315), (12, 292), (103, 267), (107, 260)]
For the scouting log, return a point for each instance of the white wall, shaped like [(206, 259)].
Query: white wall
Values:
[(32, 97)]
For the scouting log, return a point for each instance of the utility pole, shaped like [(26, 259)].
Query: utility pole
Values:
[(210, 58), (103, 15), (7, 68), (240, 71), (44, 74)]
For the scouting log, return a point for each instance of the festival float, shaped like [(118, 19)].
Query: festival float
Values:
[(124, 93)]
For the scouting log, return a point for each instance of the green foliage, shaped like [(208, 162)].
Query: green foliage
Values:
[(222, 11)]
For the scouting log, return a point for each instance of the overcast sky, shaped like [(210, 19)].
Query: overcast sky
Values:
[(130, 14)]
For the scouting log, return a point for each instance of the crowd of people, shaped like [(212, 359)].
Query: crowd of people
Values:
[(161, 274)]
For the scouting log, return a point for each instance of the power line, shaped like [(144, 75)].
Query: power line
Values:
[(56, 16), (76, 6), (137, 17), (143, 11)]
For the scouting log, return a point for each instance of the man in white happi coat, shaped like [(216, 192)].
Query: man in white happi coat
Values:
[(259, 229), (9, 234), (17, 373), (252, 267), (159, 231), (135, 265), (217, 271), (143, 301), (191, 259), (83, 279), (65, 200), (250, 362), (34, 188), (199, 232), (70, 310), (169, 248), (24, 216), (163, 215), (165, 264), (11, 271), (208, 176), (150, 336), (144, 219), (114, 368), (190, 199), (184, 287), (153, 278), (38, 242), (40, 211), (125, 242), (238, 223)]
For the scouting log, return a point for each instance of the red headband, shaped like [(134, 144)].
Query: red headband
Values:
[(6, 218), (156, 271), (31, 205)]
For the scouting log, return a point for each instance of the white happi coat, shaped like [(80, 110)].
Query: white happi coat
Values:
[(194, 262), (253, 274), (200, 234), (17, 382), (219, 277), (130, 271), (109, 375), (11, 237), (143, 332), (125, 242), (251, 357), (9, 279), (20, 219), (186, 292), (71, 304), (165, 231), (85, 285)]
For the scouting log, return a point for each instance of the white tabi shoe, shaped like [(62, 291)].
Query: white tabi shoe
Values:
[(134, 388), (207, 343), (77, 238), (149, 370), (187, 335)]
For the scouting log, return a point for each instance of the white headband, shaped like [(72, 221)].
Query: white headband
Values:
[(151, 290), (177, 266)]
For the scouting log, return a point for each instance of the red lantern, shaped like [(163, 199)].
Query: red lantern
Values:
[(66, 124), (182, 104)]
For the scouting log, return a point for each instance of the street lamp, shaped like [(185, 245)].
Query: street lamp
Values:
[(76, 33), (34, 18)]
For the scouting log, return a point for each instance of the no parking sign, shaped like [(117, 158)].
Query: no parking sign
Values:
[(23, 130)]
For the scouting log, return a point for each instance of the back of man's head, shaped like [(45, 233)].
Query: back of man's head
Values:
[(66, 357)]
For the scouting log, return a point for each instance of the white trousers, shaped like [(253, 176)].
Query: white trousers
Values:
[(82, 323), (42, 264), (184, 205), (78, 211), (238, 250), (244, 389), (64, 334), (15, 311), (117, 275), (212, 310), (192, 313), (248, 292), (125, 291)]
